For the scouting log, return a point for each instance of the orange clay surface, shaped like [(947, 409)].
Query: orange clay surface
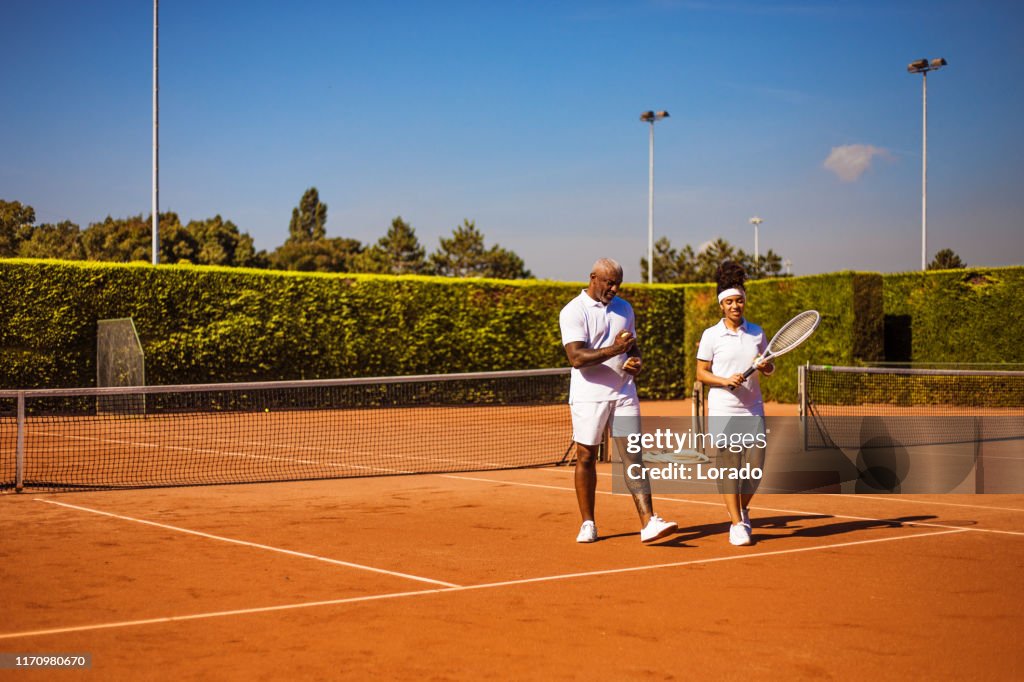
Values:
[(470, 576)]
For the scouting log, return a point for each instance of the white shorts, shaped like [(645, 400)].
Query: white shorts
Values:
[(590, 419)]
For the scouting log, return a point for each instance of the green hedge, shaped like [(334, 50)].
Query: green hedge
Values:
[(850, 332), (209, 324), (955, 316)]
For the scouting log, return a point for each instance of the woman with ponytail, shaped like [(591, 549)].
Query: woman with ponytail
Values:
[(734, 405)]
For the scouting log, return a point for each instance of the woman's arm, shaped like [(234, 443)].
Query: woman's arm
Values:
[(705, 376)]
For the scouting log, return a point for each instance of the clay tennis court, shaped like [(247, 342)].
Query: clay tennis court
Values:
[(457, 576)]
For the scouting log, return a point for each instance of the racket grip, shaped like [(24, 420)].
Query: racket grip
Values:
[(746, 375)]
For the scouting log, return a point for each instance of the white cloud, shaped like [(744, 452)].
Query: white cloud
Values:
[(849, 161)]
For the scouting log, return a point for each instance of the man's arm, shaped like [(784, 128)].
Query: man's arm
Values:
[(581, 356)]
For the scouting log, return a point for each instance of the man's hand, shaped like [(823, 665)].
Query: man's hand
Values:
[(633, 365), (623, 342)]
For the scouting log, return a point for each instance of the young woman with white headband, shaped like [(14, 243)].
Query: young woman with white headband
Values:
[(734, 405)]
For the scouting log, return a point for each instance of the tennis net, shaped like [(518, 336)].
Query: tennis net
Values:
[(97, 438), (851, 406)]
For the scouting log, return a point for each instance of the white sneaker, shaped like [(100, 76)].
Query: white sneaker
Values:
[(745, 520), (739, 535), (656, 529), (588, 532)]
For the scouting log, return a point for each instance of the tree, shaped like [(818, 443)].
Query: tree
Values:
[(123, 240), (307, 247), (321, 255), (671, 266), (219, 242), (713, 255), (309, 218), (63, 241), (16, 221), (771, 265), (397, 253), (684, 266), (118, 240), (946, 259), (464, 255)]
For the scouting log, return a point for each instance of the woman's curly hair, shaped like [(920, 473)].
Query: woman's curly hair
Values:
[(730, 275)]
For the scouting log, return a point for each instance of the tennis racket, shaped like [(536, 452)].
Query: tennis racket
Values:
[(792, 334)]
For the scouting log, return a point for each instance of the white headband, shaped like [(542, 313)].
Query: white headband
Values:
[(731, 292)]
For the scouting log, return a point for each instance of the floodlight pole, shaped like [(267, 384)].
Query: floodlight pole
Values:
[(756, 222), (651, 117), (923, 66), (924, 170), (156, 133)]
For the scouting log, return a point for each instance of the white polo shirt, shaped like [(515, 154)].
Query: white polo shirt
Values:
[(732, 352), (597, 325)]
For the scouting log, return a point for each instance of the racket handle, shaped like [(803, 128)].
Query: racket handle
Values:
[(746, 375)]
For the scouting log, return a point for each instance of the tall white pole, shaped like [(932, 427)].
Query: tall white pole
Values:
[(650, 211), (756, 250), (756, 222), (924, 171), (156, 134)]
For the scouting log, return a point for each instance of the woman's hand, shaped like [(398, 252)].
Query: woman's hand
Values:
[(736, 380)]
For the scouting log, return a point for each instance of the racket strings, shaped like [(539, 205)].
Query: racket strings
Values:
[(794, 332)]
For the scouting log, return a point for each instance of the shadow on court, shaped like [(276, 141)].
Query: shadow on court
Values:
[(839, 528), (792, 523)]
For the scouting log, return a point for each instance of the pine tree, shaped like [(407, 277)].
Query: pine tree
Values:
[(946, 259), (309, 218), (464, 255)]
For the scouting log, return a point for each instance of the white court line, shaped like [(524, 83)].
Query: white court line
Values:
[(466, 588), (719, 504), (945, 504), (859, 497), (244, 543)]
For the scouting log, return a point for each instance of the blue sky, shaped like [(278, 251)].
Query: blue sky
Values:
[(524, 117)]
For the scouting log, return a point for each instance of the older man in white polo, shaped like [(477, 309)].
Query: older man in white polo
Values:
[(599, 335)]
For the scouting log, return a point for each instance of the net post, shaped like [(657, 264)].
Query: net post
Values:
[(802, 388), (697, 410), (604, 453), (979, 458), (19, 460)]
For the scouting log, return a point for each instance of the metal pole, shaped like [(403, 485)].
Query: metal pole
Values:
[(650, 211), (756, 251), (924, 171), (19, 456), (156, 134), (801, 378)]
